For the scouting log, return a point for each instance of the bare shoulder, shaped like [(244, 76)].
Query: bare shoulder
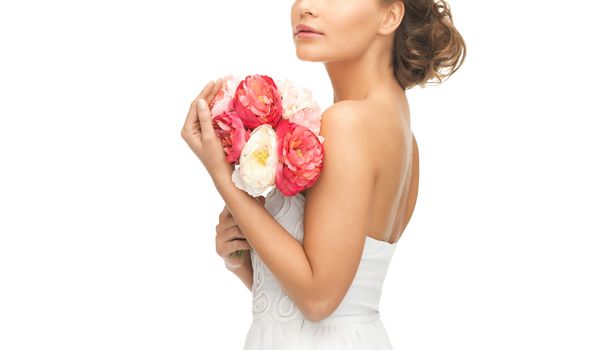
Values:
[(348, 118), (345, 128), (354, 121), (349, 108), (342, 127)]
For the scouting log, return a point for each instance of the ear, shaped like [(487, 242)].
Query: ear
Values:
[(392, 17)]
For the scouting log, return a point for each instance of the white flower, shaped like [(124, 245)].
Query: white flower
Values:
[(256, 172), (299, 106)]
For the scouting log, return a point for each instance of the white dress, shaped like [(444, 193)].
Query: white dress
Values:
[(279, 325)]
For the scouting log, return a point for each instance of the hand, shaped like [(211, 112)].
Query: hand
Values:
[(199, 133), (230, 239)]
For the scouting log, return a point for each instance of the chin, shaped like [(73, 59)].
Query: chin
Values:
[(311, 55)]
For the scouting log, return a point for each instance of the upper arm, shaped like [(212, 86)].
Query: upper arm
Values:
[(336, 206)]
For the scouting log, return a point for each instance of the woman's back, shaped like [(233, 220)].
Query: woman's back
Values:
[(386, 120), (395, 192)]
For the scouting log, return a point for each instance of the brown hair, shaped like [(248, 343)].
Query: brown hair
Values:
[(426, 43)]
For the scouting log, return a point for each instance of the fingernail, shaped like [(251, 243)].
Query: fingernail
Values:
[(202, 104)]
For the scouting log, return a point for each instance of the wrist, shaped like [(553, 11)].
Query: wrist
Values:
[(223, 174)]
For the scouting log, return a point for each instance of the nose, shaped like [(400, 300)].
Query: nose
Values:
[(305, 8)]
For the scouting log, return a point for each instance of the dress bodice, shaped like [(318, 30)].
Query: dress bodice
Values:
[(272, 305)]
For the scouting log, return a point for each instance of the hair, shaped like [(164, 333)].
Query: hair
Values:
[(426, 43)]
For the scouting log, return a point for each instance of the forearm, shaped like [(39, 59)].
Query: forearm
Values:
[(244, 272), (278, 249)]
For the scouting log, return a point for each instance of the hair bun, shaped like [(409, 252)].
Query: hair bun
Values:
[(426, 44)]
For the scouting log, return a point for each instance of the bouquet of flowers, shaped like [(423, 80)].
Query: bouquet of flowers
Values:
[(270, 131)]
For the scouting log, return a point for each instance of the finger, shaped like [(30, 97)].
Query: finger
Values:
[(233, 246), (238, 235), (227, 223), (219, 82), (232, 233), (225, 249), (217, 86), (223, 226), (232, 264), (192, 122), (206, 90), (205, 119)]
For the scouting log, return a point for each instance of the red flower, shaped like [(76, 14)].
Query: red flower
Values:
[(300, 156), (232, 133), (257, 101)]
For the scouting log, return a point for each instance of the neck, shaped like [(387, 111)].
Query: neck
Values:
[(357, 78)]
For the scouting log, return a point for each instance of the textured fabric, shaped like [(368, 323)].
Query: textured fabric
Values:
[(279, 325)]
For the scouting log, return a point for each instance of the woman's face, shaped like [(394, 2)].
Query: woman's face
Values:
[(349, 27)]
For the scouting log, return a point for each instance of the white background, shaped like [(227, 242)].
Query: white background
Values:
[(107, 218)]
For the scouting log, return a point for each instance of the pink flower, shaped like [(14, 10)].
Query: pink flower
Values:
[(232, 134), (299, 106), (223, 100), (300, 155), (310, 118), (257, 101)]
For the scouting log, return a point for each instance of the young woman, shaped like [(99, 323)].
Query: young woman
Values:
[(318, 260)]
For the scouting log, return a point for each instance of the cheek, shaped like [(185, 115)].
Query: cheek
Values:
[(354, 30)]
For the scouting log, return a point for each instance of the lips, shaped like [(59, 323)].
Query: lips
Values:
[(304, 28)]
